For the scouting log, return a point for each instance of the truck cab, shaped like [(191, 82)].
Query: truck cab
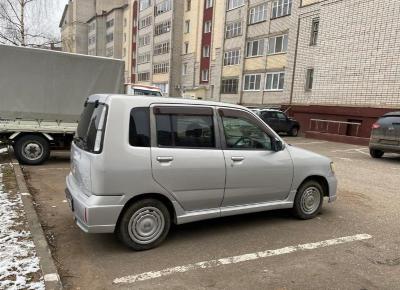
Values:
[(138, 90)]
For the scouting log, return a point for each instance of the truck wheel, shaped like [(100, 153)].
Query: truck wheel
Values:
[(32, 149), (376, 153), (294, 132), (308, 200), (144, 225)]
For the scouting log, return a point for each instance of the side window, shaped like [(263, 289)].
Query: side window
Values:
[(241, 133), (139, 127), (185, 130), (267, 115), (281, 116)]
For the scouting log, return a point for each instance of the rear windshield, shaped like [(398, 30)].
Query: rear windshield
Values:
[(90, 125), (389, 120), (147, 93)]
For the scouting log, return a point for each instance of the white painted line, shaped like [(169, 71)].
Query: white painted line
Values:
[(306, 143), (362, 152), (51, 277), (238, 259), (343, 158)]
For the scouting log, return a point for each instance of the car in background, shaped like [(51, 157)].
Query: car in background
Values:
[(385, 135), (279, 121), (137, 90)]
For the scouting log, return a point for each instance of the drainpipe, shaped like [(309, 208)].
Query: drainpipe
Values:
[(294, 62)]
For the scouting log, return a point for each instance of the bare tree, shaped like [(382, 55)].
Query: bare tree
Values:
[(20, 23)]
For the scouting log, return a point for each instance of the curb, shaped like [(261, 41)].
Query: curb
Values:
[(49, 270)]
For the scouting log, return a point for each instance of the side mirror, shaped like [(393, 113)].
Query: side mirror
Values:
[(278, 145)]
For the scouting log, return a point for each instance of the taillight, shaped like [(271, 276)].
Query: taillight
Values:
[(376, 126)]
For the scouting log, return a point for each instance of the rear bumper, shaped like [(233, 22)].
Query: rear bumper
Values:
[(385, 147), (332, 183), (93, 214)]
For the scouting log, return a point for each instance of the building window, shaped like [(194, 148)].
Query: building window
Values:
[(229, 86), (143, 77), (278, 44), (125, 22), (162, 86), (186, 48), (233, 29), (161, 68), (144, 40), (144, 4), (309, 79), (92, 26), (252, 82), (162, 28), (209, 3), (187, 26), (206, 51), (110, 51), (255, 48), (232, 57), (207, 27), (184, 69), (188, 5), (258, 14), (281, 8), (124, 52), (124, 37), (204, 75), (314, 31), (144, 22), (232, 4), (161, 48), (274, 81), (92, 40), (109, 37), (162, 7), (110, 23), (144, 58)]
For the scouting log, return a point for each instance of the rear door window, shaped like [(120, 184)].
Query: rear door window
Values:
[(188, 129), (139, 127)]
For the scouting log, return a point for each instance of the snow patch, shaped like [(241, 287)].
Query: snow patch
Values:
[(19, 265)]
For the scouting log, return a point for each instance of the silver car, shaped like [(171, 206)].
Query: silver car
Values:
[(140, 163)]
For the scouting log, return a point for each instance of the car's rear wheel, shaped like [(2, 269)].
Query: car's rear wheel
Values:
[(376, 153), (294, 132), (144, 224), (308, 200)]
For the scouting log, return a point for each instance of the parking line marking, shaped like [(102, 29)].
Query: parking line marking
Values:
[(362, 152), (306, 143), (238, 259)]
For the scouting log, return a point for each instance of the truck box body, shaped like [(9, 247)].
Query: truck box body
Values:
[(38, 84)]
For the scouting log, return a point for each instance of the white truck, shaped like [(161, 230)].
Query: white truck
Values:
[(42, 94)]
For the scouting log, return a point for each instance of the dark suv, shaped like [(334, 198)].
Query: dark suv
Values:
[(385, 135), (279, 121)]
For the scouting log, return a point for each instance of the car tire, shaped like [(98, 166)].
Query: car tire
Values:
[(32, 149), (376, 153), (144, 224), (294, 132), (308, 200)]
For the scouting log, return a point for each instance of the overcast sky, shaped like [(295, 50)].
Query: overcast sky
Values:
[(55, 15)]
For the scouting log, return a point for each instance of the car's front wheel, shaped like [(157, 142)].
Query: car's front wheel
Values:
[(308, 200), (144, 224), (376, 153)]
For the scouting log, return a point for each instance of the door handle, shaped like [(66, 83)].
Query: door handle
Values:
[(237, 158), (164, 159)]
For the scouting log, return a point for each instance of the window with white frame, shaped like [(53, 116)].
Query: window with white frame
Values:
[(143, 77), (274, 81), (233, 29), (209, 3), (143, 4), (232, 4), (314, 31), (232, 57), (206, 51), (204, 75), (278, 44), (207, 27), (229, 86), (184, 68), (92, 26), (281, 8), (186, 47), (162, 7), (161, 48), (144, 57), (255, 48), (144, 22), (162, 28), (161, 68), (309, 79), (258, 14), (187, 26), (188, 5), (252, 82), (110, 23), (162, 86), (144, 40), (109, 37), (110, 51)]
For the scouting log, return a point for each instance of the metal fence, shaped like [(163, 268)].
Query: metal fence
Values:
[(332, 126)]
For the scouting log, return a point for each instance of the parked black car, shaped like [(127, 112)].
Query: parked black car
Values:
[(385, 135), (279, 121)]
